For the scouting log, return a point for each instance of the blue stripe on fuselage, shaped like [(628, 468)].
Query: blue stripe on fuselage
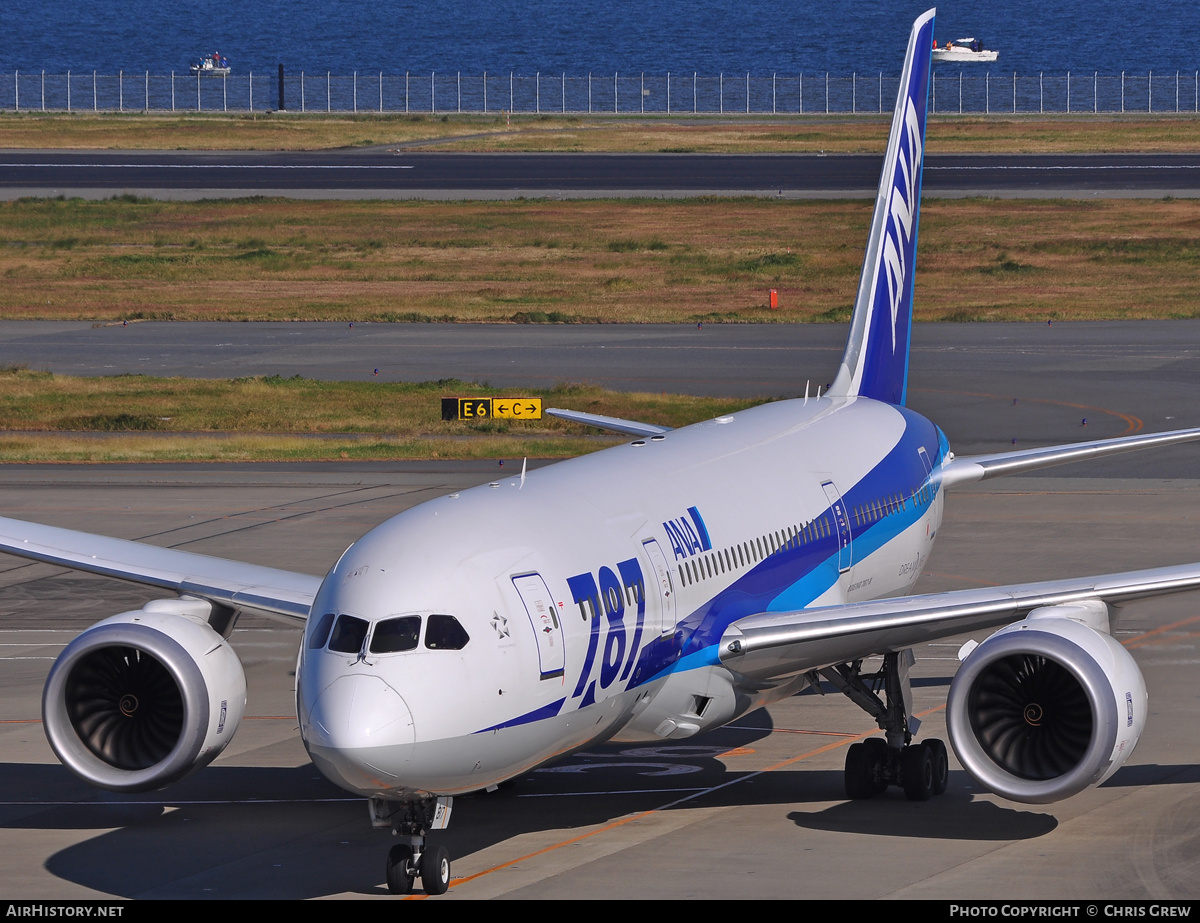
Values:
[(794, 577)]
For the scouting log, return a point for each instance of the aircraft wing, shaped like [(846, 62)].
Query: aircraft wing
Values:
[(248, 587), (616, 424), (971, 468), (769, 645)]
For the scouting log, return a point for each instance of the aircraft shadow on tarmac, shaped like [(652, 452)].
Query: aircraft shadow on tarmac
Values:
[(286, 832)]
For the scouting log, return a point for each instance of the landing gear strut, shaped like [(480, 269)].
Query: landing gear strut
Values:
[(921, 769), (413, 857)]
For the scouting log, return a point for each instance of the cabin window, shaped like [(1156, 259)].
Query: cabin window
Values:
[(348, 635), (320, 631), (445, 633), (394, 635)]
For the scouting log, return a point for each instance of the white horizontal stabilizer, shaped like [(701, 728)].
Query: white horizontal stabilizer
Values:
[(616, 424)]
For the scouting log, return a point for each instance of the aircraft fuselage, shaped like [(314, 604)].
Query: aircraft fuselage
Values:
[(592, 594)]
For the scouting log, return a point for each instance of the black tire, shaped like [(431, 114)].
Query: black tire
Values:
[(916, 772), (859, 783), (941, 765), (399, 877), (878, 749), (435, 870)]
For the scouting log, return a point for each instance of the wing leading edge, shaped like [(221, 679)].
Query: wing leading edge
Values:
[(971, 468), (775, 644), (248, 587)]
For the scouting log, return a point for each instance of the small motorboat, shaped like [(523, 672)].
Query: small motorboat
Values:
[(963, 51), (214, 65)]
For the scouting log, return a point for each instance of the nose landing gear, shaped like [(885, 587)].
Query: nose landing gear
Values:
[(413, 857), (406, 863)]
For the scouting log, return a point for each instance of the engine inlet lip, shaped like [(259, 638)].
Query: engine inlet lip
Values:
[(73, 753), (1087, 673)]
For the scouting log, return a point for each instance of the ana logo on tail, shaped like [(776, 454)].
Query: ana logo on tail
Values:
[(875, 364), (902, 211)]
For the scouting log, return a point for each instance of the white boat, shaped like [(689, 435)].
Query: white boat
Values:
[(212, 66), (963, 51)]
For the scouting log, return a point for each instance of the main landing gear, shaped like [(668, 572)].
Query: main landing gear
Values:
[(921, 769), (413, 857)]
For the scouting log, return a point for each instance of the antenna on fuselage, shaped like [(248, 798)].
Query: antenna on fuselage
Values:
[(807, 382), (524, 461)]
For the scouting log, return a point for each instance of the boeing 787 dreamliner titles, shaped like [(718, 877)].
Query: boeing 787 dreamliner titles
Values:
[(651, 591)]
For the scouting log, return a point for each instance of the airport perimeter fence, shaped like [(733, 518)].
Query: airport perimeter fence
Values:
[(618, 93)]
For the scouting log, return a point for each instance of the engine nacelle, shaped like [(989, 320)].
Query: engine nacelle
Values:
[(1046, 707), (143, 698)]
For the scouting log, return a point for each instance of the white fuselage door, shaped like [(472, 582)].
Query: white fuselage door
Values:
[(547, 628), (666, 589), (841, 524)]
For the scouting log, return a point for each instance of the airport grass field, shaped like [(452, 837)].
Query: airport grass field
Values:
[(732, 133), (537, 261), (46, 417)]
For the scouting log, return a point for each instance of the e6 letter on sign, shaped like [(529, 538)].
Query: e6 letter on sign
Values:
[(485, 408)]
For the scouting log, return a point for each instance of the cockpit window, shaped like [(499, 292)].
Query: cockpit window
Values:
[(445, 633), (320, 632), (395, 635), (348, 635)]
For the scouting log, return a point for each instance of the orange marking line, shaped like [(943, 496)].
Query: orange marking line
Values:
[(1133, 423), (716, 788), (1136, 639), (804, 732), (1171, 640)]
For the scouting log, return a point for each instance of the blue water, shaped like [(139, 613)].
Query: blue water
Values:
[(598, 36)]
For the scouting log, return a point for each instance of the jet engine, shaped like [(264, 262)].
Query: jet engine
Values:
[(142, 699), (1047, 707)]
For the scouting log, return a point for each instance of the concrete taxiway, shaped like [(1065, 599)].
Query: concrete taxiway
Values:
[(755, 810), (391, 172)]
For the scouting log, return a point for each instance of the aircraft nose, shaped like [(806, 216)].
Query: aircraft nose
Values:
[(360, 733)]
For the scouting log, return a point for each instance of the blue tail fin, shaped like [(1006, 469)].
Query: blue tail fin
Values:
[(876, 361)]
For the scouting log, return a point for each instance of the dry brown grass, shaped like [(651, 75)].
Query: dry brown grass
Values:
[(59, 418), (33, 401), (58, 448), (643, 261), (748, 134)]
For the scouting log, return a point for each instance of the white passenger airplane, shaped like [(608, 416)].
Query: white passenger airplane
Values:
[(650, 591)]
